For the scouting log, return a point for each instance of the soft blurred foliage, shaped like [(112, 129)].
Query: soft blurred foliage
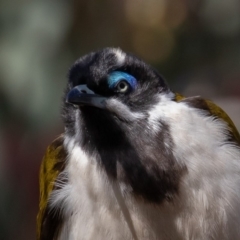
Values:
[(194, 44)]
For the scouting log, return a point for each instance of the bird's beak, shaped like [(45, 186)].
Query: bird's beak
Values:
[(82, 95)]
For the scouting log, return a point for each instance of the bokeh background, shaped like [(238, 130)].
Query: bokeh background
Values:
[(194, 44)]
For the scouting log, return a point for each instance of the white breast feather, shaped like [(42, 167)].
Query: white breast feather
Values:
[(208, 205)]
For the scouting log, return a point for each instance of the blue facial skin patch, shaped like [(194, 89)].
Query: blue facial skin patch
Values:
[(116, 76)]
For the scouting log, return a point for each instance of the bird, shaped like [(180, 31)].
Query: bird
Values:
[(137, 161)]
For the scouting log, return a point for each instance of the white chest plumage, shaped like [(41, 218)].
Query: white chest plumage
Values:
[(207, 206), (98, 208)]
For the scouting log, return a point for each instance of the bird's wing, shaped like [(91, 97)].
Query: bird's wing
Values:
[(48, 222), (213, 110)]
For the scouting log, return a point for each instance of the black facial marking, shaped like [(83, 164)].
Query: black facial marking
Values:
[(127, 151), (153, 177), (69, 118)]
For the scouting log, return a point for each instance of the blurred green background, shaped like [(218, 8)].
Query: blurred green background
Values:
[(194, 44)]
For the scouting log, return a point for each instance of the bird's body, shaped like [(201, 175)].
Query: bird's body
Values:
[(145, 164)]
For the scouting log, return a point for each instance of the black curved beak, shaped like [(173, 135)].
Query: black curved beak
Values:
[(82, 95)]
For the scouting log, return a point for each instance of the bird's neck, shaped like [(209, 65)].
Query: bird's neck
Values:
[(137, 157)]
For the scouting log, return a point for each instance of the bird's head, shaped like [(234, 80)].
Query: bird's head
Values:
[(114, 83), (106, 111)]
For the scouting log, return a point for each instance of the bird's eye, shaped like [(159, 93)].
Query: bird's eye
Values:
[(122, 86), (121, 82)]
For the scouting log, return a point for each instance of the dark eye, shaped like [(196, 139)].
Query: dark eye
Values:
[(122, 86)]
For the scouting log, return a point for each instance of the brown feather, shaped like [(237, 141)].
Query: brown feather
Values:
[(49, 222)]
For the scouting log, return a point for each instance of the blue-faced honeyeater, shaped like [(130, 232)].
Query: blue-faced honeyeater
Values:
[(138, 161)]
